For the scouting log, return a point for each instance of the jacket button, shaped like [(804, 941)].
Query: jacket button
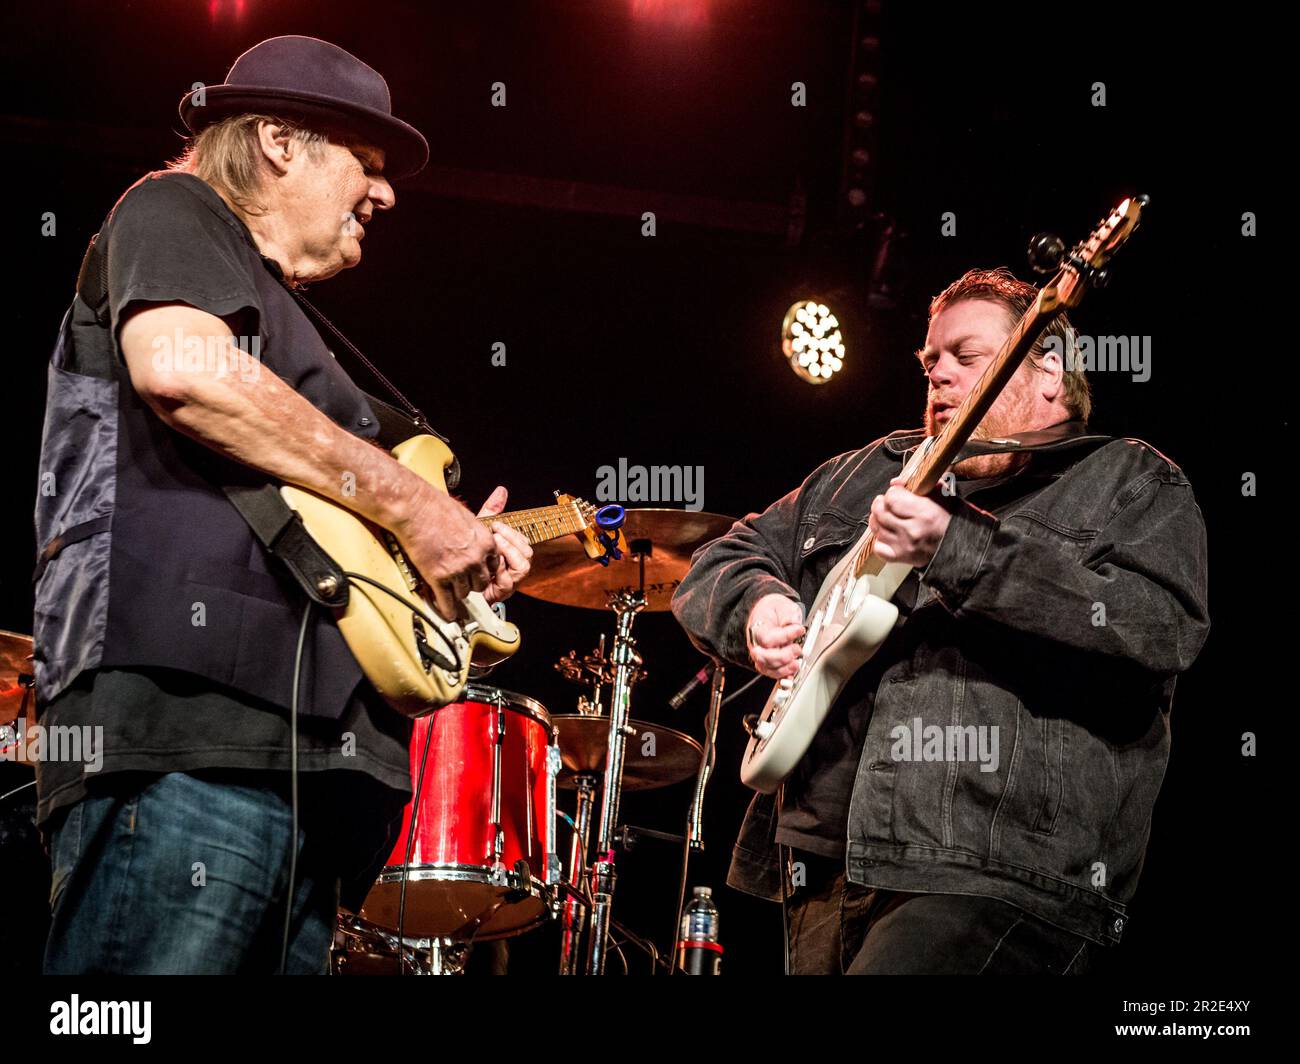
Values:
[(365, 421), (809, 542), (1118, 925)]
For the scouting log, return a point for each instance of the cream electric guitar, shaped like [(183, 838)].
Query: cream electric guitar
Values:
[(853, 615), (417, 660)]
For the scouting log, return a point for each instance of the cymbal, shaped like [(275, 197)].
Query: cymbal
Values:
[(15, 654), (562, 573), (15, 662), (15, 689), (584, 743)]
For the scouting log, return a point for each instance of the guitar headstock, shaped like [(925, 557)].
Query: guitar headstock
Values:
[(600, 539), (1086, 264), (585, 509)]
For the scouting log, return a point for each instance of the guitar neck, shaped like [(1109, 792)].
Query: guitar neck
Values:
[(543, 524), (970, 412)]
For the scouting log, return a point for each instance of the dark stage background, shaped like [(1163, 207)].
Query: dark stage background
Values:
[(663, 350)]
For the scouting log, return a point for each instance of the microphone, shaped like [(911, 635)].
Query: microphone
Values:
[(700, 678)]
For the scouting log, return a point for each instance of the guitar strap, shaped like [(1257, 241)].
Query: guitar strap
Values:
[(391, 420), (279, 528)]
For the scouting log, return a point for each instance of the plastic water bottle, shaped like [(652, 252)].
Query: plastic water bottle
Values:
[(698, 949)]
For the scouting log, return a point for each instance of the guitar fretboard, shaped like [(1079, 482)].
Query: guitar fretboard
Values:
[(544, 523)]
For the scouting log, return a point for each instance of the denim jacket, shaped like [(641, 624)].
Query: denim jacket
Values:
[(1058, 609)]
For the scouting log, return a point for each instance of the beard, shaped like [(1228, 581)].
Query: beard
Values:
[(1011, 412)]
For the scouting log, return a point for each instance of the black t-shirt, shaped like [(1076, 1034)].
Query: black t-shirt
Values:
[(174, 240), (814, 812)]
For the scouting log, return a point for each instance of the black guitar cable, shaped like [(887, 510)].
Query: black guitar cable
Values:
[(415, 610), (293, 785), (410, 846), (293, 768), (419, 777)]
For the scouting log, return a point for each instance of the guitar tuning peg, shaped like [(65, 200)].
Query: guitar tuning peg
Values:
[(1045, 252), (556, 494)]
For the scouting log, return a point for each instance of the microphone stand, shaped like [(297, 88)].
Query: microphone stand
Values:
[(695, 819)]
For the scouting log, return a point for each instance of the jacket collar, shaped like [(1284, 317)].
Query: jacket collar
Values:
[(1063, 436)]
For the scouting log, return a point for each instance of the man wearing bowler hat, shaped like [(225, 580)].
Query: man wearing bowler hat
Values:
[(185, 367)]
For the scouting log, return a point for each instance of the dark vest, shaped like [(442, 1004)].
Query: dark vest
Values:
[(142, 560)]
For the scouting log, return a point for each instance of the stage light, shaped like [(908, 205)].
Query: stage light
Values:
[(220, 9), (812, 342), (687, 14)]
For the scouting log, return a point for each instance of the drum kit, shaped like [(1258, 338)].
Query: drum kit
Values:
[(482, 859), (479, 857), (17, 697)]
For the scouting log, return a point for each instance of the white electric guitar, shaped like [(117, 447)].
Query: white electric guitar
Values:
[(853, 615)]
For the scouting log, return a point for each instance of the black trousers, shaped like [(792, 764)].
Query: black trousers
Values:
[(838, 928)]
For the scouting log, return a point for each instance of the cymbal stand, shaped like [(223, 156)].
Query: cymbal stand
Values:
[(626, 605), (574, 912)]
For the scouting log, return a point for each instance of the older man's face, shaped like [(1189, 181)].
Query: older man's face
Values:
[(333, 198)]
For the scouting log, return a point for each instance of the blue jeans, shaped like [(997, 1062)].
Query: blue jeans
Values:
[(187, 874)]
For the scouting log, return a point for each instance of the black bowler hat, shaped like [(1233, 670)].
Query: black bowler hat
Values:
[(315, 81)]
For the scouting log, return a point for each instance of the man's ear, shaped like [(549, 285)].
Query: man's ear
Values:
[(277, 144), (1052, 368)]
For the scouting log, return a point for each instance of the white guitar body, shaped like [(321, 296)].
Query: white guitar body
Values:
[(850, 619)]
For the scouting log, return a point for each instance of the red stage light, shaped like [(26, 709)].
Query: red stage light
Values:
[(222, 8), (688, 14)]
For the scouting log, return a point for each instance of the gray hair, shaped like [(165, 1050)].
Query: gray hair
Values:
[(227, 156)]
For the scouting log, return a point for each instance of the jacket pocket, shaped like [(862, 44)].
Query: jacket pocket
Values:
[(822, 543), (1053, 754)]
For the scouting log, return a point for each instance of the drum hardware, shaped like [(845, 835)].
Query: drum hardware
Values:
[(626, 605), (629, 835), (497, 844), (363, 948), (574, 907), (647, 946), (521, 876), (554, 871)]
